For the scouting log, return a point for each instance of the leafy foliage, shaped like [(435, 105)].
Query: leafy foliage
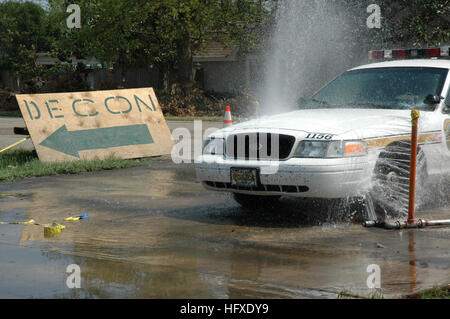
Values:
[(417, 22), (404, 22), (22, 34), (164, 34), (191, 101)]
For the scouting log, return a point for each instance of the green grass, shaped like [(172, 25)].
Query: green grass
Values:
[(436, 293), (345, 294), (22, 164), (15, 113), (376, 295)]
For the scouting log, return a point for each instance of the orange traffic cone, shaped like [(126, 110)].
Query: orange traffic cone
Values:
[(227, 120)]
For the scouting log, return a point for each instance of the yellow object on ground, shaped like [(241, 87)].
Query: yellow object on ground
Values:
[(14, 144), (53, 230), (56, 225), (31, 221), (71, 219), (50, 230)]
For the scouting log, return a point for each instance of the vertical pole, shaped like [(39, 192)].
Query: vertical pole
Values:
[(415, 114)]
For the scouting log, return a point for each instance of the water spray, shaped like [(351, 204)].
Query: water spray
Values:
[(411, 222)]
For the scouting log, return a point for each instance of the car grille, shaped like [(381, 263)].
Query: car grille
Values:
[(259, 146), (261, 188)]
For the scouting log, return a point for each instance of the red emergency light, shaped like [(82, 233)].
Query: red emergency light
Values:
[(441, 52), (433, 53), (376, 55), (399, 54)]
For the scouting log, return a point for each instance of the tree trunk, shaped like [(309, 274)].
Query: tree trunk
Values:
[(185, 73), (163, 76)]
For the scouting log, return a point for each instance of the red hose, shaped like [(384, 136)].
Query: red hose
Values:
[(415, 114)]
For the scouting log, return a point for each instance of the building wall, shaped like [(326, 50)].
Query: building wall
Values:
[(224, 77)]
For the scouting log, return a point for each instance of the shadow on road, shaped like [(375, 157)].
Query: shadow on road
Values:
[(289, 213)]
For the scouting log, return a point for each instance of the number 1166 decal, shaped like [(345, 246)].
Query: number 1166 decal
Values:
[(317, 136)]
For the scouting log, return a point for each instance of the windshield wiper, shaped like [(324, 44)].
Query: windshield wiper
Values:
[(320, 101)]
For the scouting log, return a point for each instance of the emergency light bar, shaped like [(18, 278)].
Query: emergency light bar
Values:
[(442, 52)]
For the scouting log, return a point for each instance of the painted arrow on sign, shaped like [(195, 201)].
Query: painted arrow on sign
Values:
[(71, 142)]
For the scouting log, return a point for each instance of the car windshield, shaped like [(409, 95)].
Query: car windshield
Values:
[(384, 88)]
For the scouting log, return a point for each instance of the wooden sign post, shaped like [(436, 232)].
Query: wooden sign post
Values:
[(97, 124)]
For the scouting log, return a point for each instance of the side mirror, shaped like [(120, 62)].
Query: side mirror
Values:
[(432, 99)]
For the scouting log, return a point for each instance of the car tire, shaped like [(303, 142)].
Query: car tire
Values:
[(390, 192), (256, 201)]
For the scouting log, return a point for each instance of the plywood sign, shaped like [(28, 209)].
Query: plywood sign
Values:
[(97, 124)]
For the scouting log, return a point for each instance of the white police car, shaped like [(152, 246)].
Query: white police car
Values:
[(352, 135)]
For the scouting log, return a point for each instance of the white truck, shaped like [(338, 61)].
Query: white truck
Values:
[(351, 138)]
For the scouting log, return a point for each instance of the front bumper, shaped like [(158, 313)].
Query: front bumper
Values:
[(319, 178)]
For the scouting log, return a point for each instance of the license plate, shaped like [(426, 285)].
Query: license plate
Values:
[(244, 177)]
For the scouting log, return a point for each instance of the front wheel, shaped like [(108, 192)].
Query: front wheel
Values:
[(256, 201), (391, 187)]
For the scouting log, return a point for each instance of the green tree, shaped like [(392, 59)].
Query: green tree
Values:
[(160, 33), (23, 33), (404, 22), (188, 26), (416, 22)]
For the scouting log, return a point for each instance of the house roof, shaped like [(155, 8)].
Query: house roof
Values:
[(216, 52)]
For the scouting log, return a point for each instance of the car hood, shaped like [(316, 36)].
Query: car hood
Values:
[(331, 121)]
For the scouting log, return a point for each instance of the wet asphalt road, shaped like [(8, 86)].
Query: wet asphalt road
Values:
[(154, 232)]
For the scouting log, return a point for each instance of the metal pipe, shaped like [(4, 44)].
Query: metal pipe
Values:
[(443, 222), (370, 223), (389, 225), (415, 115), (382, 224), (420, 223), (395, 225)]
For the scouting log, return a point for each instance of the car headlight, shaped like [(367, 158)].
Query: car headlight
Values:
[(330, 149), (214, 146)]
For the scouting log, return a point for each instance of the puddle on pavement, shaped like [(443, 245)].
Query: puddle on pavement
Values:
[(155, 233)]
